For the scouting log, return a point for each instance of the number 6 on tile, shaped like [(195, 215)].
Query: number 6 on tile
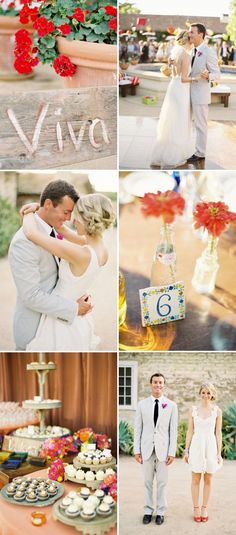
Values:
[(160, 304)]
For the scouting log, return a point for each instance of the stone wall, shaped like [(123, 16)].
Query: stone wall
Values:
[(20, 187), (184, 373), (161, 22), (8, 186)]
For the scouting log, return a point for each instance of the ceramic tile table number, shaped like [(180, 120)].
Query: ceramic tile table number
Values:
[(161, 304)]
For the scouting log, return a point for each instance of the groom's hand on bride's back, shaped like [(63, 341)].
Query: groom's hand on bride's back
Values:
[(84, 305), (138, 458)]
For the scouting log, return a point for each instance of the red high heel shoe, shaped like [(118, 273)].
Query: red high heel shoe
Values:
[(204, 518), (197, 518)]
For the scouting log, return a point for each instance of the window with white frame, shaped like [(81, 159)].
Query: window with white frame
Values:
[(128, 376)]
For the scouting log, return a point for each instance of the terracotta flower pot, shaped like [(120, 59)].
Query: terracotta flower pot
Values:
[(97, 63), (8, 27)]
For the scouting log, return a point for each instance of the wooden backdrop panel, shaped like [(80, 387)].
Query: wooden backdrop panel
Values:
[(48, 129)]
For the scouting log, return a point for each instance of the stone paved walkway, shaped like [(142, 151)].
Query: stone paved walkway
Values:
[(178, 519)]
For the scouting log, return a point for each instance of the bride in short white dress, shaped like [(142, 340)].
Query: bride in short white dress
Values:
[(52, 334), (203, 447), (175, 138)]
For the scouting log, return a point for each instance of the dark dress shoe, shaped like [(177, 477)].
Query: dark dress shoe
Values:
[(159, 520), (195, 158), (147, 519)]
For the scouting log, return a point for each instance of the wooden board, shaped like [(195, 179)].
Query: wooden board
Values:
[(49, 129)]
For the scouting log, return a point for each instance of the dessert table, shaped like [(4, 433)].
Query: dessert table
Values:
[(16, 519), (210, 321)]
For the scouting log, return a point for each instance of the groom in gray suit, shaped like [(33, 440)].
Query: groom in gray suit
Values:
[(35, 270), (204, 70), (155, 439)]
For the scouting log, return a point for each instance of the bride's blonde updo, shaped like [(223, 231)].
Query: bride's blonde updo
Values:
[(96, 212), (182, 38)]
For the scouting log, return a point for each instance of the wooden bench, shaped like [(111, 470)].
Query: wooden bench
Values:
[(127, 86), (222, 91)]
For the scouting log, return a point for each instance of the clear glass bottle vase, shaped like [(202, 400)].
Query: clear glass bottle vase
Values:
[(164, 262), (122, 299), (206, 268)]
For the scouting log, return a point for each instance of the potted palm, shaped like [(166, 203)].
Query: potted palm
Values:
[(77, 37), (9, 24)]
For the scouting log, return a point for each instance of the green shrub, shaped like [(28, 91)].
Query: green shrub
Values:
[(182, 430), (229, 432), (126, 438), (9, 224)]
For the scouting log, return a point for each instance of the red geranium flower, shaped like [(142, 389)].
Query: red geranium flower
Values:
[(167, 204), (43, 26), (110, 10), (63, 66), (22, 65), (213, 216), (65, 29), (113, 24), (27, 14), (78, 14), (22, 37)]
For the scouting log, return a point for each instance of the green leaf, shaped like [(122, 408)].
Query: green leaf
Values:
[(101, 28), (92, 38)]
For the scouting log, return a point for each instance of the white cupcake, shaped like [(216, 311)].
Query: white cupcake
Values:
[(94, 501), (80, 475), (79, 501), (99, 493), (88, 512), (89, 476), (109, 501), (95, 461), (72, 510), (103, 509), (84, 492), (72, 494), (70, 470), (65, 503), (100, 475)]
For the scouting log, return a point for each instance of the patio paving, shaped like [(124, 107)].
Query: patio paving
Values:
[(178, 520)]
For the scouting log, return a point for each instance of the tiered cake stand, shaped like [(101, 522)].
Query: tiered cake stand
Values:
[(41, 404), (94, 484)]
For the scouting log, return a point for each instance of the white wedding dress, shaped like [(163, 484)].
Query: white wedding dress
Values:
[(175, 140), (203, 448), (53, 334)]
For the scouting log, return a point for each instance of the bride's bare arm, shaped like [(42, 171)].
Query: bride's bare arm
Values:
[(188, 436), (218, 432), (68, 234), (71, 235), (185, 65), (71, 252)]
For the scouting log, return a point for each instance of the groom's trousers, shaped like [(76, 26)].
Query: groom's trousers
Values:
[(153, 467), (200, 116)]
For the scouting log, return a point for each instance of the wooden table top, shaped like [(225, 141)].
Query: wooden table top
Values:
[(210, 321)]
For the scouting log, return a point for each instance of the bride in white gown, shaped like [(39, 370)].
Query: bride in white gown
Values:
[(80, 255), (175, 142)]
